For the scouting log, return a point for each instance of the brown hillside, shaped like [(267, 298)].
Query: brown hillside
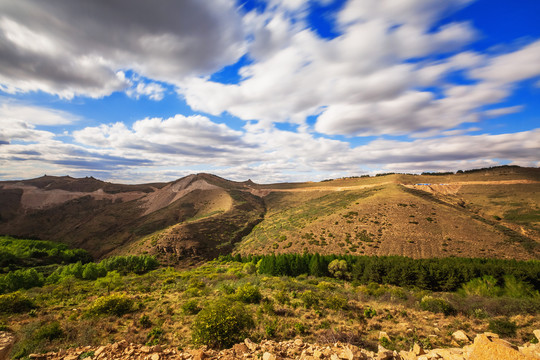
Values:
[(486, 213)]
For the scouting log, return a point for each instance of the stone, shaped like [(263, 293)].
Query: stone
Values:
[(145, 349), (383, 334), (334, 357), (240, 349), (155, 356), (199, 354), (407, 355), (6, 343), (537, 334), (460, 336), (268, 356), (417, 350), (298, 342), (99, 350), (485, 348), (71, 357), (346, 354), (317, 354), (250, 344)]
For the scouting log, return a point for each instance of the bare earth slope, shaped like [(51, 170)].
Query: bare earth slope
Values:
[(483, 213)]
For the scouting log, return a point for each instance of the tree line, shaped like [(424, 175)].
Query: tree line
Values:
[(435, 274), (28, 278)]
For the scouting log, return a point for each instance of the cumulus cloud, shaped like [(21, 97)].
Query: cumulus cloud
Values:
[(68, 48), (357, 81)]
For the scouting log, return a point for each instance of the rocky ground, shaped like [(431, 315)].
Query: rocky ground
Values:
[(485, 346)]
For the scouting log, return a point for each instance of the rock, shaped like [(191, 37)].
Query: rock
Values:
[(485, 348), (407, 355), (383, 334), (199, 354), (71, 357), (417, 350), (346, 354), (240, 349), (145, 349), (537, 334), (155, 356), (317, 354), (99, 351), (384, 354), (298, 342), (334, 357), (268, 356), (460, 336), (250, 344), (6, 343)]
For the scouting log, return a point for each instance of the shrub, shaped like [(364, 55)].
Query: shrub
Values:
[(222, 324), (282, 297), (484, 286), (15, 303), (191, 307), (336, 302), (369, 312), (437, 305), (299, 328), (502, 327), (114, 304), (310, 299), (249, 294), (154, 336), (249, 268), (145, 321), (49, 332)]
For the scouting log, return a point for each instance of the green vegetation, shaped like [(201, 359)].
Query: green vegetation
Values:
[(222, 324), (220, 303), (114, 304), (438, 274), (23, 253)]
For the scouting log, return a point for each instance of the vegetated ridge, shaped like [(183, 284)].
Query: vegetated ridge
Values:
[(481, 213)]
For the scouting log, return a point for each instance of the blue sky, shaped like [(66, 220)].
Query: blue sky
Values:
[(277, 90)]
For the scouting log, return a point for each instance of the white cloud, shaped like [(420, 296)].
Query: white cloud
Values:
[(68, 48), (512, 67), (503, 111), (17, 112)]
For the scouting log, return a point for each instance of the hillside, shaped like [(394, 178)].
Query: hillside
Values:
[(480, 213)]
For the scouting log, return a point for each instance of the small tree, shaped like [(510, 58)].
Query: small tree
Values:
[(339, 269), (111, 281)]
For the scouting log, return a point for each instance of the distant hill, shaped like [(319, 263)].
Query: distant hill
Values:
[(480, 213)]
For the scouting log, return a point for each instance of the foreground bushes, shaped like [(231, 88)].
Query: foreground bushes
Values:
[(114, 304), (222, 324), (15, 303)]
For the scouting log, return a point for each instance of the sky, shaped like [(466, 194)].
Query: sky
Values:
[(279, 90)]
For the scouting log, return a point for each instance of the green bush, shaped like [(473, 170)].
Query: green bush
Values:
[(49, 332), (145, 321), (249, 294), (437, 305), (336, 302), (114, 304), (222, 324), (191, 307), (15, 303), (154, 336), (369, 312), (502, 327), (310, 299)]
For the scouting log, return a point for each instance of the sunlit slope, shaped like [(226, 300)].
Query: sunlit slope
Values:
[(453, 216)]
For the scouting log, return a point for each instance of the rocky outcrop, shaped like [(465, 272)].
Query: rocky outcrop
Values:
[(6, 343), (485, 346)]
